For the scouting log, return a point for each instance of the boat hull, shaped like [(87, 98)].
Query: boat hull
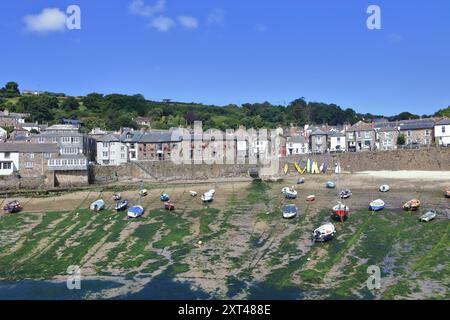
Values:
[(135, 212)]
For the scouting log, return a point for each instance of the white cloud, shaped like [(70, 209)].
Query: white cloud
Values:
[(49, 20), (217, 16), (139, 8), (188, 22), (162, 23)]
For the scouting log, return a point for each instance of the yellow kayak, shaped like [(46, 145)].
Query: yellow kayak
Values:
[(298, 167), (286, 168)]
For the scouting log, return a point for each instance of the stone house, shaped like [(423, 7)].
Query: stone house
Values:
[(318, 141), (12, 119), (360, 137), (131, 139), (419, 131), (111, 151), (387, 138), (156, 145)]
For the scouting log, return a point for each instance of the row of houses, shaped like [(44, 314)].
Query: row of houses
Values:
[(362, 136)]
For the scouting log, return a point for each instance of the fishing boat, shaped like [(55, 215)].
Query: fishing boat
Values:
[(376, 205), (121, 205), (286, 168), (301, 181), (135, 211), (384, 188), (169, 206), (324, 233), (289, 193), (207, 197), (412, 205), (447, 192), (116, 196), (193, 193), (311, 198), (164, 197), (97, 205), (298, 168), (289, 211), (345, 194), (143, 192), (13, 207), (330, 185), (340, 212)]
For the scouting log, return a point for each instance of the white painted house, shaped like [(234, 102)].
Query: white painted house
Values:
[(337, 141), (3, 134), (111, 151), (9, 162), (297, 145), (442, 132)]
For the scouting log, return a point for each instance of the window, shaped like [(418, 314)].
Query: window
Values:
[(427, 133), (7, 165), (31, 155), (105, 144), (29, 164), (319, 139), (75, 140), (409, 133), (41, 140), (65, 139), (358, 134), (443, 129), (105, 154), (122, 148), (132, 146), (338, 140), (122, 155), (367, 134), (54, 140), (7, 155), (47, 155)]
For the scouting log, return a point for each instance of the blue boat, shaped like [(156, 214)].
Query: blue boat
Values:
[(376, 205), (135, 211), (330, 184), (164, 197), (97, 205), (121, 205)]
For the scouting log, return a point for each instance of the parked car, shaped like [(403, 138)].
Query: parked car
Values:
[(427, 217), (412, 145)]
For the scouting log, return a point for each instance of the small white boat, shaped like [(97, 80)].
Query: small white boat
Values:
[(212, 191), (143, 192), (193, 193), (340, 211), (289, 193), (207, 197), (135, 211), (345, 194), (324, 233), (376, 205), (384, 188), (116, 196), (311, 198), (97, 205), (289, 211)]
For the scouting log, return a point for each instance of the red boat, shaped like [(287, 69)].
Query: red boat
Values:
[(169, 206), (340, 212)]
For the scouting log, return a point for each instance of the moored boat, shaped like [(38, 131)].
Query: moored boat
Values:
[(376, 205), (164, 197), (289, 193), (340, 211), (384, 188), (121, 205), (13, 207), (143, 192), (324, 233), (330, 184), (207, 197), (289, 211), (301, 181), (412, 205), (116, 196), (447, 192), (97, 205), (311, 198), (169, 206), (344, 194), (193, 193), (135, 211)]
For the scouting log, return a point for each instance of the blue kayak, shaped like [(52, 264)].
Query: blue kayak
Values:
[(135, 211), (164, 197)]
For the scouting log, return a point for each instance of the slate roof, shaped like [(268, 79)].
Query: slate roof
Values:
[(416, 124), (297, 139), (29, 147), (443, 122), (108, 138)]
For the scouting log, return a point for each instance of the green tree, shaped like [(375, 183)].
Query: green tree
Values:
[(401, 139), (10, 90), (70, 104)]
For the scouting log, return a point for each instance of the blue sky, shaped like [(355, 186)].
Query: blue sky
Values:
[(234, 51)]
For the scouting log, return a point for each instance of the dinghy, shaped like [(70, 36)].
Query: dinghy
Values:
[(324, 233), (143, 192), (135, 211), (116, 196), (345, 194), (330, 184), (376, 205), (289, 211), (301, 181), (164, 197), (13, 207), (193, 193), (447, 192), (412, 205), (121, 205), (311, 198), (207, 197), (289, 193), (340, 211), (384, 188), (97, 205), (169, 206)]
